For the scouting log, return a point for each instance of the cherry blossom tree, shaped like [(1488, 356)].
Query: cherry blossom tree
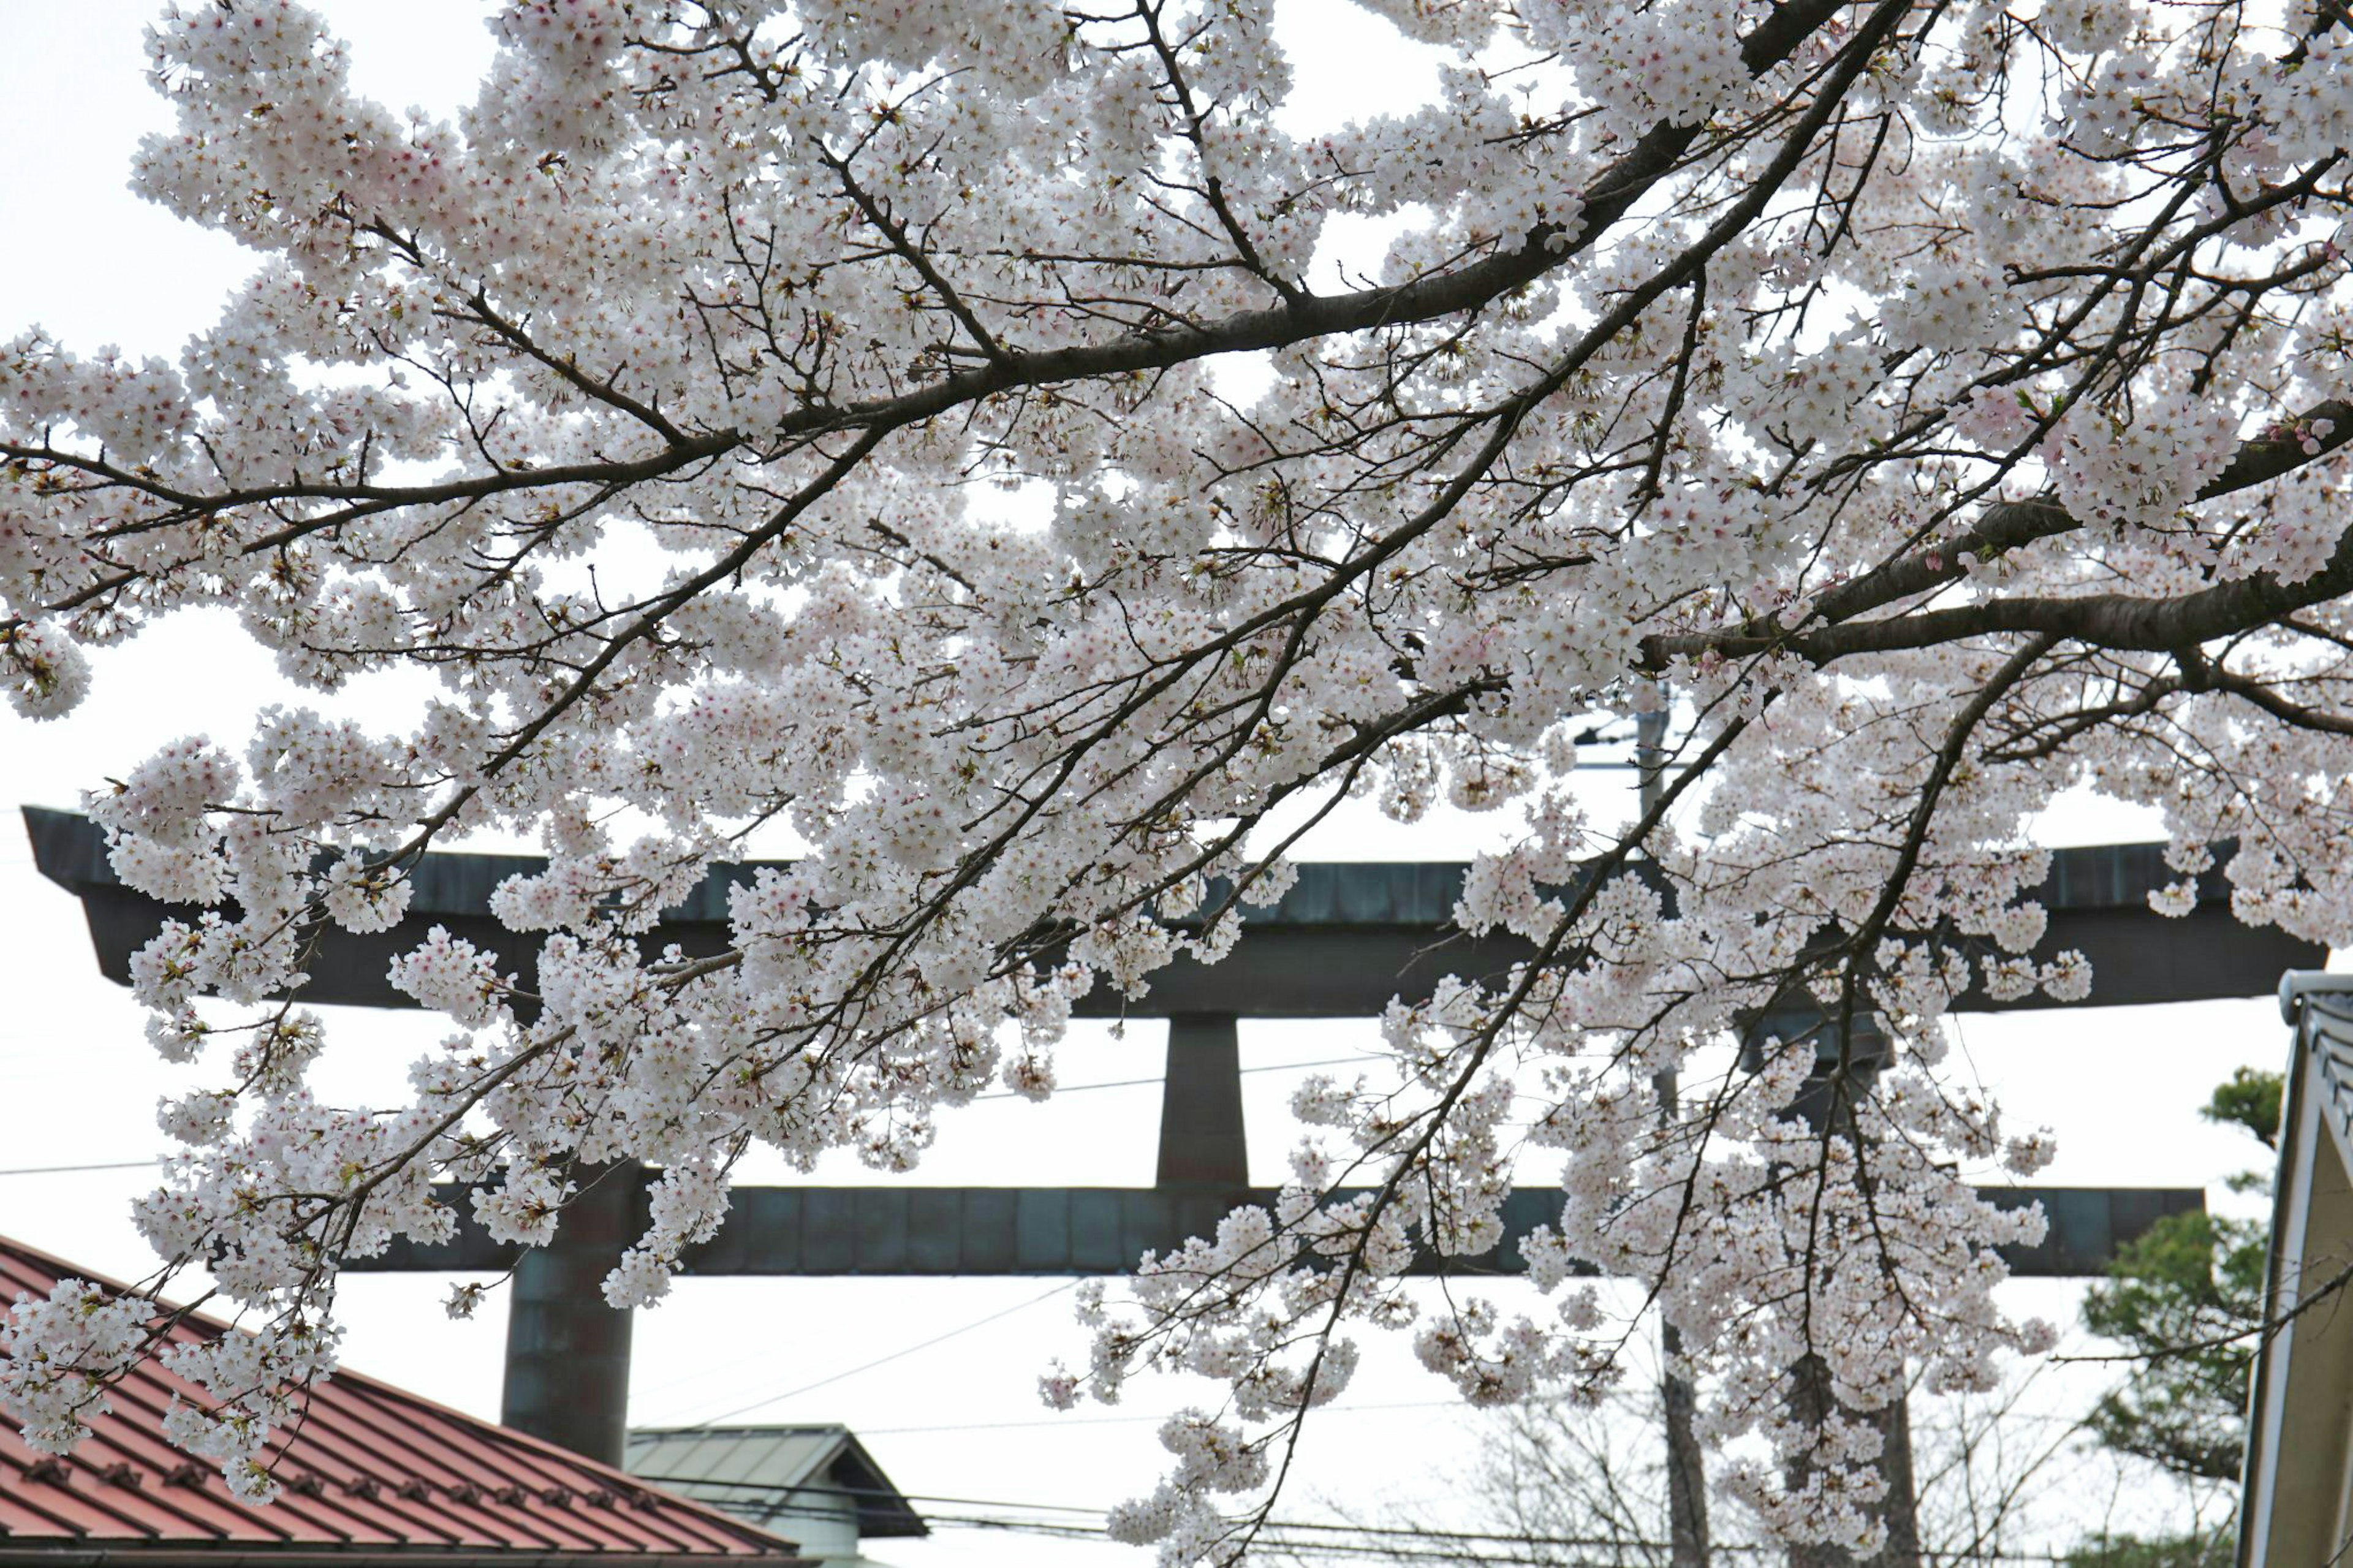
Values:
[(1932, 402)]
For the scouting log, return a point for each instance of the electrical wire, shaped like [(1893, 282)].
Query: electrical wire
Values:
[(879, 1360), (1064, 1421), (1296, 1538), (1395, 1542), (883, 1494), (1458, 1538), (1270, 1542), (892, 1493), (148, 1164), (1140, 1082), (1002, 1094), (1406, 1546)]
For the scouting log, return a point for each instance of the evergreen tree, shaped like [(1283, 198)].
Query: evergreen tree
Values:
[(2179, 1294)]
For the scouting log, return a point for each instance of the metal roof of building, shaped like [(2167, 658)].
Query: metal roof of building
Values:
[(753, 1471), (2326, 1020), (371, 1476)]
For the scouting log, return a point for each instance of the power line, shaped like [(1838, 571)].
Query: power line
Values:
[(1001, 1094), (1274, 1540), (1411, 1535), (879, 1360), (1390, 1542), (1410, 1546), (1419, 1532), (147, 1164), (887, 1494), (1140, 1082), (1137, 1420)]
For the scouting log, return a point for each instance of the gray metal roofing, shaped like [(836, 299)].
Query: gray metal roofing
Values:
[(751, 1471), (2326, 1026), (778, 1456)]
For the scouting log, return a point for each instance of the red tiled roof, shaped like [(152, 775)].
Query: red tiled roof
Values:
[(370, 1475)]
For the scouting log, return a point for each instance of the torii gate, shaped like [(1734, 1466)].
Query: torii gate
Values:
[(1342, 942)]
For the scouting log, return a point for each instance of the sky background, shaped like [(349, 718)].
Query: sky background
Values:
[(78, 1085)]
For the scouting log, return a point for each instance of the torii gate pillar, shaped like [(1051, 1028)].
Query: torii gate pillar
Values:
[(567, 1368), (1201, 1140)]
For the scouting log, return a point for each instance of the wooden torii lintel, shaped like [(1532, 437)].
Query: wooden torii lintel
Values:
[(1342, 943)]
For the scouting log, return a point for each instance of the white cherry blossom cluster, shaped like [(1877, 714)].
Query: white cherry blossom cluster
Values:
[(57, 1356)]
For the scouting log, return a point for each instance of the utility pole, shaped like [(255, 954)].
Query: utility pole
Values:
[(1686, 1474), (1826, 1108)]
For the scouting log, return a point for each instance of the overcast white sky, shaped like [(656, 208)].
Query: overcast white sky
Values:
[(78, 1085)]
